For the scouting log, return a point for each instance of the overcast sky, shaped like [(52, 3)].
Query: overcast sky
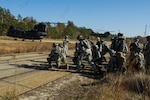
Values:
[(127, 16)]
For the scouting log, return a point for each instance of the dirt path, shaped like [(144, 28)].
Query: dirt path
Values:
[(72, 87)]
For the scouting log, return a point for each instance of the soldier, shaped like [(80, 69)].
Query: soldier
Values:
[(115, 41), (85, 52), (55, 55), (134, 47), (121, 51), (62, 52), (97, 59), (140, 61), (102, 48), (136, 57), (147, 53), (99, 44), (112, 64), (65, 44), (120, 47)]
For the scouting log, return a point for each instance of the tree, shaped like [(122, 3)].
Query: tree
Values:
[(19, 18)]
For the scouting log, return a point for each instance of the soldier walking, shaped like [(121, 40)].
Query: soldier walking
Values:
[(84, 47)]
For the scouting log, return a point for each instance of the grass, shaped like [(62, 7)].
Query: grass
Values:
[(14, 46), (121, 87), (10, 95)]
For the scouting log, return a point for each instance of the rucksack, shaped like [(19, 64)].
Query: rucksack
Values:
[(87, 44)]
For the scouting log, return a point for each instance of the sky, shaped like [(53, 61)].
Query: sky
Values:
[(130, 17)]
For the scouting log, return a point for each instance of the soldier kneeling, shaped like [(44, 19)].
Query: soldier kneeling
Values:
[(55, 55)]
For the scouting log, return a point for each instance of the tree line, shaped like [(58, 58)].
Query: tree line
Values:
[(54, 31)]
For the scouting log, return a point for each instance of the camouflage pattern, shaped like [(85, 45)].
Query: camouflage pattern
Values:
[(120, 47), (65, 44), (102, 47), (97, 59), (134, 48), (56, 55), (84, 46), (141, 62)]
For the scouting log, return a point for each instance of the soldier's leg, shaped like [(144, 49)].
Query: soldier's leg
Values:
[(112, 65), (79, 61), (58, 62), (49, 62), (147, 67), (92, 64), (121, 62)]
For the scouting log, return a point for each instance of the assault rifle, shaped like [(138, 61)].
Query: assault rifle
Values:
[(106, 34)]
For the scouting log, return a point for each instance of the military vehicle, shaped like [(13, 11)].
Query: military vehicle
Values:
[(106, 34), (37, 33)]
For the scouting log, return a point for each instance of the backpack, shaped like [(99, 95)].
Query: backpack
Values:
[(86, 44)]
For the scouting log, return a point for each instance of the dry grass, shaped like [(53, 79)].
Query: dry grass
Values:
[(13, 46), (138, 83), (24, 47), (120, 87)]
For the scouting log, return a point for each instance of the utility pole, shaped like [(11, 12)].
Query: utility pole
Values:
[(145, 31)]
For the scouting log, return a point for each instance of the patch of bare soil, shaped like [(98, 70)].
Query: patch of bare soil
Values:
[(72, 87)]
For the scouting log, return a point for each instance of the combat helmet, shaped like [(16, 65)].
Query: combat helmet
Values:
[(66, 36), (121, 38), (120, 34), (80, 37), (55, 44), (136, 39)]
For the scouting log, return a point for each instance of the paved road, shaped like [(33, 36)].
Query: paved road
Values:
[(25, 72)]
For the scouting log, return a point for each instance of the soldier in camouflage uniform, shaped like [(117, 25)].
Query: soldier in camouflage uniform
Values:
[(136, 58), (140, 64), (65, 44), (97, 59), (120, 48), (115, 41), (84, 47), (134, 48), (56, 55), (147, 53), (121, 51), (102, 47)]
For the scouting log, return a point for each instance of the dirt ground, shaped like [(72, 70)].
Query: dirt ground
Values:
[(72, 87)]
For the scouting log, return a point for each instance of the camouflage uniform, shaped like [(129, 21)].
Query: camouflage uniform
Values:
[(55, 55), (120, 47), (102, 47), (115, 41), (84, 47), (99, 44), (112, 64), (97, 59), (65, 44), (134, 48), (141, 61), (121, 51)]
